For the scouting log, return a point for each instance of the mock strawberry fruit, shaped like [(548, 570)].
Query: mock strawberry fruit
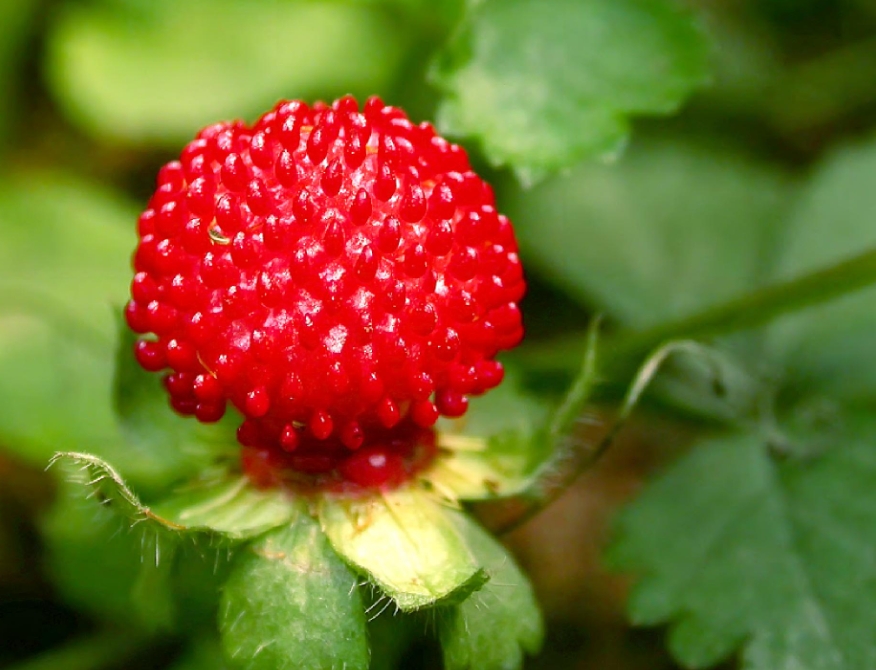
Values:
[(334, 274)]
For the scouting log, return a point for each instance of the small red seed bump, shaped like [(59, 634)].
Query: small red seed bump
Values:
[(463, 264), (150, 355), (181, 355), (441, 203), (228, 215), (439, 242), (423, 318), (259, 199), (384, 183), (416, 261), (170, 219), (317, 145), (332, 178), (289, 440), (333, 239), (451, 403), (321, 425), (421, 386), (183, 406), (371, 388), (285, 170), (366, 264), (388, 412), (146, 223), (195, 238), (248, 434), (210, 412), (234, 173), (412, 207), (261, 150), (304, 207), (207, 388), (200, 198), (424, 413), (257, 402), (490, 373), (389, 236), (360, 208), (352, 436), (354, 151)]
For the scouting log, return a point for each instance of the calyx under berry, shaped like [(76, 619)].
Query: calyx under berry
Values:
[(333, 273)]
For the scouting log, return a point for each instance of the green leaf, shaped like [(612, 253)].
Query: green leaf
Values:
[(493, 628), (63, 262), (673, 228), (545, 84), (16, 17), (227, 507), (156, 72), (495, 448), (407, 544), (736, 549), (291, 603), (829, 348), (204, 654)]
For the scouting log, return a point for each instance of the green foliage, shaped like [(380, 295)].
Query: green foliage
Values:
[(736, 548), (95, 559), (291, 603), (157, 72), (508, 80), (16, 18), (828, 349), (492, 628), (673, 228), (63, 264), (407, 544)]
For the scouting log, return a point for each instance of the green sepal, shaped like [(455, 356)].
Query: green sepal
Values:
[(291, 602), (233, 508), (493, 628), (223, 509), (407, 544)]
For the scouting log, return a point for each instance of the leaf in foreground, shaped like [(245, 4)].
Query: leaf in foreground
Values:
[(291, 603), (493, 627), (736, 550), (544, 84)]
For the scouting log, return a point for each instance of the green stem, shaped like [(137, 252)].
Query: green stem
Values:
[(756, 308), (750, 310), (103, 649)]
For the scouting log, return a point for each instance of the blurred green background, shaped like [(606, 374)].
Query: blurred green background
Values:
[(95, 95)]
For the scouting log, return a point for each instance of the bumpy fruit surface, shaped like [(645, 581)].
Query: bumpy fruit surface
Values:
[(333, 273)]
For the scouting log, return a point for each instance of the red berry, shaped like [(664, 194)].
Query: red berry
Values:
[(334, 274)]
